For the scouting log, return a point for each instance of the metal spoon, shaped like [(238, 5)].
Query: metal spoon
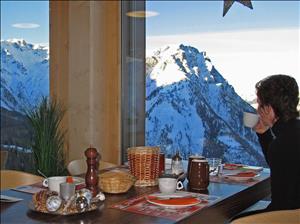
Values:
[(40, 172)]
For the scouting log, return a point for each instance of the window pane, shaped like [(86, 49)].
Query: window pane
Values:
[(200, 75), (202, 69), (133, 76), (24, 74)]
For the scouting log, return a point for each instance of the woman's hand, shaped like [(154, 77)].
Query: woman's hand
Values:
[(267, 119), (260, 127)]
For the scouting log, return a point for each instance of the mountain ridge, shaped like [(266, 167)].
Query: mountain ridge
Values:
[(198, 113), (24, 74), (190, 106)]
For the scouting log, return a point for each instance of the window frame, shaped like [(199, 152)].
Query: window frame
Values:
[(133, 70)]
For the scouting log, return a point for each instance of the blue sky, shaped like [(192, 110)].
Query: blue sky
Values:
[(267, 36), (175, 17), (245, 46), (27, 20), (196, 16)]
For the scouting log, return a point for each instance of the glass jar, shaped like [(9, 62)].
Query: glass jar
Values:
[(177, 165)]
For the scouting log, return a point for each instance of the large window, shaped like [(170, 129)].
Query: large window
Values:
[(201, 69), (24, 74)]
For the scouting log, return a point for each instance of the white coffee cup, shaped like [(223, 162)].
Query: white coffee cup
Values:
[(250, 119), (169, 185), (53, 183)]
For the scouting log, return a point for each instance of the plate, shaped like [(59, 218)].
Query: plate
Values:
[(175, 202), (243, 176), (5, 198), (232, 166), (253, 168), (177, 194), (93, 207)]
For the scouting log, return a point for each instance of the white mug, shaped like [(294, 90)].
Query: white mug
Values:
[(169, 185), (250, 119), (53, 182)]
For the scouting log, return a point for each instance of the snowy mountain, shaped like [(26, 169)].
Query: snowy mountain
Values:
[(190, 107), (24, 74)]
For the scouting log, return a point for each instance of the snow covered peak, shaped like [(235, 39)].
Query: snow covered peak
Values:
[(24, 74), (21, 42), (24, 44), (174, 63), (22, 51), (190, 107)]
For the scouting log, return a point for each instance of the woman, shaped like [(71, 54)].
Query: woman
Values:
[(278, 131), (279, 135)]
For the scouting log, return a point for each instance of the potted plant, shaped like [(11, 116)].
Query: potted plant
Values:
[(48, 138)]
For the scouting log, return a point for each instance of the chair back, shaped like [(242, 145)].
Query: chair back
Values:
[(79, 166), (4, 155), (282, 216), (14, 178)]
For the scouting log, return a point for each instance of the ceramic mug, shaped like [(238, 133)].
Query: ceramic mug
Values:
[(53, 183), (169, 185), (191, 158), (250, 119), (199, 175)]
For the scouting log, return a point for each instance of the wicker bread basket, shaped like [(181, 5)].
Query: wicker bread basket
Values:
[(143, 164), (116, 181)]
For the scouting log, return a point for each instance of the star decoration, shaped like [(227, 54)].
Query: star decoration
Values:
[(229, 3)]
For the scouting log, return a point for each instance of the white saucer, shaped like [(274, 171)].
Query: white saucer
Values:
[(238, 178)]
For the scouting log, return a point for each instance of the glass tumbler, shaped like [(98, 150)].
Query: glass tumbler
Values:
[(214, 166)]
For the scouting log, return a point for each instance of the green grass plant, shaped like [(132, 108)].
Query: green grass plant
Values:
[(48, 138)]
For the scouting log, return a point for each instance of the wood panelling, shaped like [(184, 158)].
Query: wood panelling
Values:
[(85, 74), (59, 60)]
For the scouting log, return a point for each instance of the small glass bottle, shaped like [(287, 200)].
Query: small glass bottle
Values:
[(177, 165)]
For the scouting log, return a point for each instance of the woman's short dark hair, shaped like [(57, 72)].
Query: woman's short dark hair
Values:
[(282, 93)]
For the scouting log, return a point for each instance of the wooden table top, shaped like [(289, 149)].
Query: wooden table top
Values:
[(234, 199)]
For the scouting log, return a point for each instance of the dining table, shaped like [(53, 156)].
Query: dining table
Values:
[(233, 198)]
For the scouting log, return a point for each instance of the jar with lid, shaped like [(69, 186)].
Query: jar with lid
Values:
[(177, 165)]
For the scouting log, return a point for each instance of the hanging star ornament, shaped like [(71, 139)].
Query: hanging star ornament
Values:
[(229, 3)]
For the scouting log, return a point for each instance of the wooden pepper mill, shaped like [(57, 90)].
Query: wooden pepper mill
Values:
[(91, 176)]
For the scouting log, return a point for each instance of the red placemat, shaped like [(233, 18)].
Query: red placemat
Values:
[(141, 206)]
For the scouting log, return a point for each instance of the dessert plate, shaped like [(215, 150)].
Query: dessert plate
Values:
[(253, 168), (177, 194), (242, 176), (232, 166), (173, 202)]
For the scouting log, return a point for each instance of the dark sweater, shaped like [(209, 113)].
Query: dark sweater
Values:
[(281, 147)]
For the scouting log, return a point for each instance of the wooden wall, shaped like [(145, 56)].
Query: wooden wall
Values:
[(85, 74)]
